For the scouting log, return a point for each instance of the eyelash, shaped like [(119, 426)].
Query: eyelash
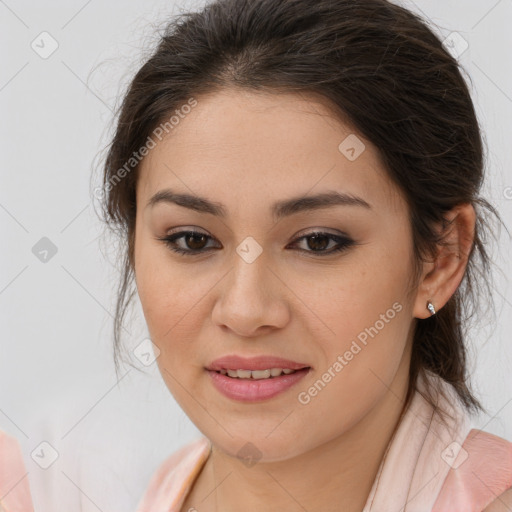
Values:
[(344, 243)]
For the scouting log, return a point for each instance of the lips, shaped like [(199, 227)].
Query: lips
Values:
[(257, 386), (264, 362)]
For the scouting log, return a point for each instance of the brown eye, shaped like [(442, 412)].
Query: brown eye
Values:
[(319, 242), (188, 242), (195, 241)]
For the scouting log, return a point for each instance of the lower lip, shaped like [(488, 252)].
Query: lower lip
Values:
[(255, 390)]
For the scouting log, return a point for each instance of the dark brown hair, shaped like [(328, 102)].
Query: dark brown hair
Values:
[(384, 71)]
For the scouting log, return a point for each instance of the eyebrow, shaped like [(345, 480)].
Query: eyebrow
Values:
[(279, 209)]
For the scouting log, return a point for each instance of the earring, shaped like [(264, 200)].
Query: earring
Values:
[(431, 308)]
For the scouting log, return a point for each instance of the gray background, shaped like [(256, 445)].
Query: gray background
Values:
[(57, 379)]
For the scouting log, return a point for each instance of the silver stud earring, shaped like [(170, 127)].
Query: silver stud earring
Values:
[(431, 308)]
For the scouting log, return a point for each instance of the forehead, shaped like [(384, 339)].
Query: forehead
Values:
[(247, 147)]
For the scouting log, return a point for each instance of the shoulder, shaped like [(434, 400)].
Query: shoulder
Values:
[(481, 472), (173, 476), (14, 486), (502, 503)]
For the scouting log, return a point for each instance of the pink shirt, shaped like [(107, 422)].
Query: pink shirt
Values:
[(486, 473), (428, 467)]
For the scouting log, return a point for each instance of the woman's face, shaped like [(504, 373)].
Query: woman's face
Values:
[(271, 171)]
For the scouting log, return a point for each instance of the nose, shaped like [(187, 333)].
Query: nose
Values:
[(251, 300)]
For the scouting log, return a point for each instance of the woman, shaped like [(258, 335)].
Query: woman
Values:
[(297, 184)]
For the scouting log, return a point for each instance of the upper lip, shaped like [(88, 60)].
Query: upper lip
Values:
[(263, 362)]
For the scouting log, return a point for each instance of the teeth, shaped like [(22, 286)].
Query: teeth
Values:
[(256, 374)]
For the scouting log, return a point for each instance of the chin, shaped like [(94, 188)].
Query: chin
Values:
[(257, 447)]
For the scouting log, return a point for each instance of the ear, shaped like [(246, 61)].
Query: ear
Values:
[(442, 276)]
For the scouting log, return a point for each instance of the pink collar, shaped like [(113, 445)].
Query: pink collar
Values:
[(419, 455)]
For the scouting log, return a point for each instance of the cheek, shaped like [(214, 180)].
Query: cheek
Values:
[(171, 299), (366, 292), (361, 362), (369, 318)]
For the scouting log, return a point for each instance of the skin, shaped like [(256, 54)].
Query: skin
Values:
[(503, 503), (248, 150)]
